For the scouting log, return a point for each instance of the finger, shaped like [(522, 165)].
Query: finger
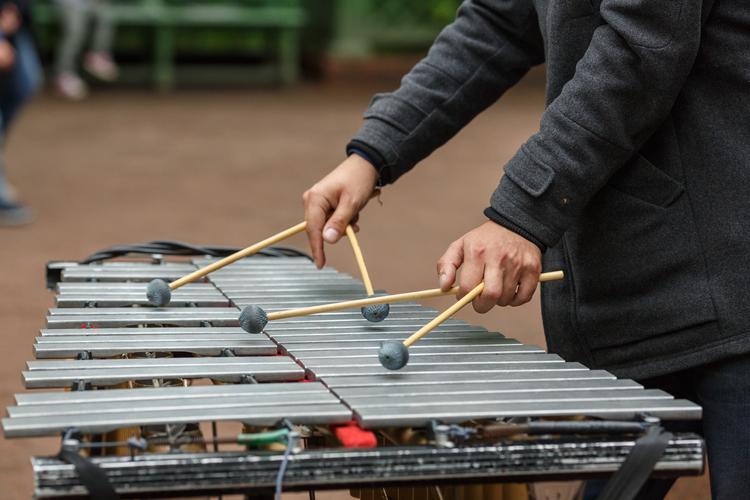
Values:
[(315, 215), (449, 263), (472, 271), (511, 276), (493, 288), (345, 211), (526, 288)]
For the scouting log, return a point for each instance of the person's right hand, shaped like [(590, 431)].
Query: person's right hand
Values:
[(7, 55), (334, 201)]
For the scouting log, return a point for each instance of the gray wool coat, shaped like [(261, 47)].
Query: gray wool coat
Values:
[(638, 180)]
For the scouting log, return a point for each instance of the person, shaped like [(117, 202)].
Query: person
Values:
[(98, 60), (637, 184), (20, 77)]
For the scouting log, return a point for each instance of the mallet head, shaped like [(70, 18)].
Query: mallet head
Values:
[(158, 293), (376, 312), (253, 319), (393, 354)]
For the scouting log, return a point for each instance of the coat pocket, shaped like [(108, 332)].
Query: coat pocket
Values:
[(636, 262)]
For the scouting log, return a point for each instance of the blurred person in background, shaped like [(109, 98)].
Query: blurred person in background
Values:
[(75, 16), (20, 77)]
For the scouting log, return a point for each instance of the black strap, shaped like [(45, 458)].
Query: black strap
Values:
[(91, 476), (637, 468)]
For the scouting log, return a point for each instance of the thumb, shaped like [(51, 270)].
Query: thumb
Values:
[(449, 263), (342, 216)]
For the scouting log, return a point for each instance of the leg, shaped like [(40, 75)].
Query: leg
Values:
[(104, 28), (723, 390), (23, 80), (98, 60), (74, 16)]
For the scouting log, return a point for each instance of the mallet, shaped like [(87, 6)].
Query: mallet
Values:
[(159, 292), (377, 312), (394, 355), (254, 319)]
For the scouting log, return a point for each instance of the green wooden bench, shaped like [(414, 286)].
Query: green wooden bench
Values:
[(282, 20)]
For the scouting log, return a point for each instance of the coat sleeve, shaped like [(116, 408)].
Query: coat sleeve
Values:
[(486, 50), (624, 86)]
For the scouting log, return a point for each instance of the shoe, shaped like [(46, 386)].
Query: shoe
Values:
[(71, 86), (14, 214), (101, 65)]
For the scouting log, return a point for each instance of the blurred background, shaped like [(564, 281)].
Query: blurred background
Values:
[(204, 121)]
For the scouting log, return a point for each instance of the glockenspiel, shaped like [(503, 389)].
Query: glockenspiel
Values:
[(127, 386)]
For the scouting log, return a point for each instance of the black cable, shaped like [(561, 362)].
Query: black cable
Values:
[(179, 248)]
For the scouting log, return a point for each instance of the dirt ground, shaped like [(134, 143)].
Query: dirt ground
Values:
[(228, 167)]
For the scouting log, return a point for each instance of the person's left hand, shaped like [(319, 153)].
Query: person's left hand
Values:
[(508, 264)]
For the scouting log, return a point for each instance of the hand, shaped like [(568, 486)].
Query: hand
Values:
[(10, 19), (335, 201), (7, 55), (508, 263)]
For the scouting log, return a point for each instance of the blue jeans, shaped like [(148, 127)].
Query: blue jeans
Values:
[(723, 390), (20, 83)]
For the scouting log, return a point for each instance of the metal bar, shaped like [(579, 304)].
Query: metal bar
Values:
[(160, 330), (108, 377), (397, 416), (160, 393), (396, 379), (88, 364), (328, 413), (186, 403), (526, 387), (104, 349), (480, 368), (432, 402), (104, 301), (435, 362)]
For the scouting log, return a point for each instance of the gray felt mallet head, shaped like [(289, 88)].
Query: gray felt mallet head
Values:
[(158, 293), (393, 354), (253, 319), (376, 312)]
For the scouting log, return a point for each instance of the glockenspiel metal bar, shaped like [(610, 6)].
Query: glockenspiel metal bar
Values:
[(399, 416), (443, 403), (183, 404), (527, 387), (143, 275), (80, 364), (445, 338), (164, 393), (129, 287), (136, 299), (208, 331), (396, 379), (251, 414), (432, 361), (340, 327), (184, 317), (323, 372), (107, 346), (106, 372), (371, 350)]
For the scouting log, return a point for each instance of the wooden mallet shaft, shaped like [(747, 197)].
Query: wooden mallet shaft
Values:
[(189, 278), (440, 318), (461, 303), (360, 259), (385, 299)]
